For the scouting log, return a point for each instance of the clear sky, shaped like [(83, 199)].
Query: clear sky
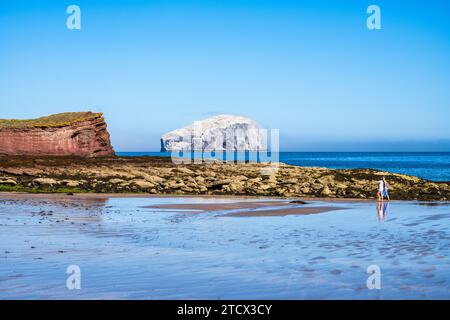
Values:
[(309, 68)]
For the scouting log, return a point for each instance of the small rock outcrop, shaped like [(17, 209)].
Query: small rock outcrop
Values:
[(65, 134), (217, 133)]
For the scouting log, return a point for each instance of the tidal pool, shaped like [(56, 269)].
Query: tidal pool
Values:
[(125, 249)]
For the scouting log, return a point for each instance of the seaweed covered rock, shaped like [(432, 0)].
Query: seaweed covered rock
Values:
[(159, 175)]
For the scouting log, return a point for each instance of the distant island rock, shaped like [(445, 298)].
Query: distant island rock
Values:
[(217, 133), (71, 133)]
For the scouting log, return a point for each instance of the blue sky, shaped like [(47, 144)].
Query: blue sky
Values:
[(309, 68)]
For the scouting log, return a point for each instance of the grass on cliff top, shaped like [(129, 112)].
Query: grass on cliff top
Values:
[(56, 120)]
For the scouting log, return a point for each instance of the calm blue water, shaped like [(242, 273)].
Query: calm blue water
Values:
[(427, 165), (126, 250)]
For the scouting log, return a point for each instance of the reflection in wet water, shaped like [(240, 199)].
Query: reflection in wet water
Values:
[(382, 210), (127, 250)]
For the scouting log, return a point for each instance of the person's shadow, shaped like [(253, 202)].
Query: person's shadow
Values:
[(382, 208)]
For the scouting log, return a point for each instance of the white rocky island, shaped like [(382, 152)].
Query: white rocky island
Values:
[(217, 133)]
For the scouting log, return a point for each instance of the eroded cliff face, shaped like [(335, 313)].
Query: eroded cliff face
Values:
[(80, 134)]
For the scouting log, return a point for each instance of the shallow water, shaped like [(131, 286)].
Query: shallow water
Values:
[(126, 251)]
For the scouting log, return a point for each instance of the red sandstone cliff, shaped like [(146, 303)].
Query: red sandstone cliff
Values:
[(76, 133)]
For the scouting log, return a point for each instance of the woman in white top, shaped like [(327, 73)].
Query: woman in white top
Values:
[(380, 190), (383, 190), (385, 193)]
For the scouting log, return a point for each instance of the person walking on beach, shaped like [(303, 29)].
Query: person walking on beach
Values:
[(385, 193), (380, 190), (383, 190)]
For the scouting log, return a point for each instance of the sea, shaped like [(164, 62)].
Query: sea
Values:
[(434, 166)]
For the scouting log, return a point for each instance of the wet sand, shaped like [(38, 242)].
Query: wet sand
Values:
[(127, 248), (282, 212), (249, 209), (223, 206), (237, 206), (26, 195), (214, 206)]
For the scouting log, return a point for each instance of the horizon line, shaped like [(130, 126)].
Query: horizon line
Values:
[(306, 151)]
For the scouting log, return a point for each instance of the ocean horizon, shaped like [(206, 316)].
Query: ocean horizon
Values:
[(434, 166)]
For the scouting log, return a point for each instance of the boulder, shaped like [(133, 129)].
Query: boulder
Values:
[(8, 181), (45, 181)]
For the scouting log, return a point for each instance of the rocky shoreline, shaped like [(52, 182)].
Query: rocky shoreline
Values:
[(159, 176)]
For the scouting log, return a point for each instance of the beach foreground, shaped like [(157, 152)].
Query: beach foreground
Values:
[(221, 248), (160, 176)]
